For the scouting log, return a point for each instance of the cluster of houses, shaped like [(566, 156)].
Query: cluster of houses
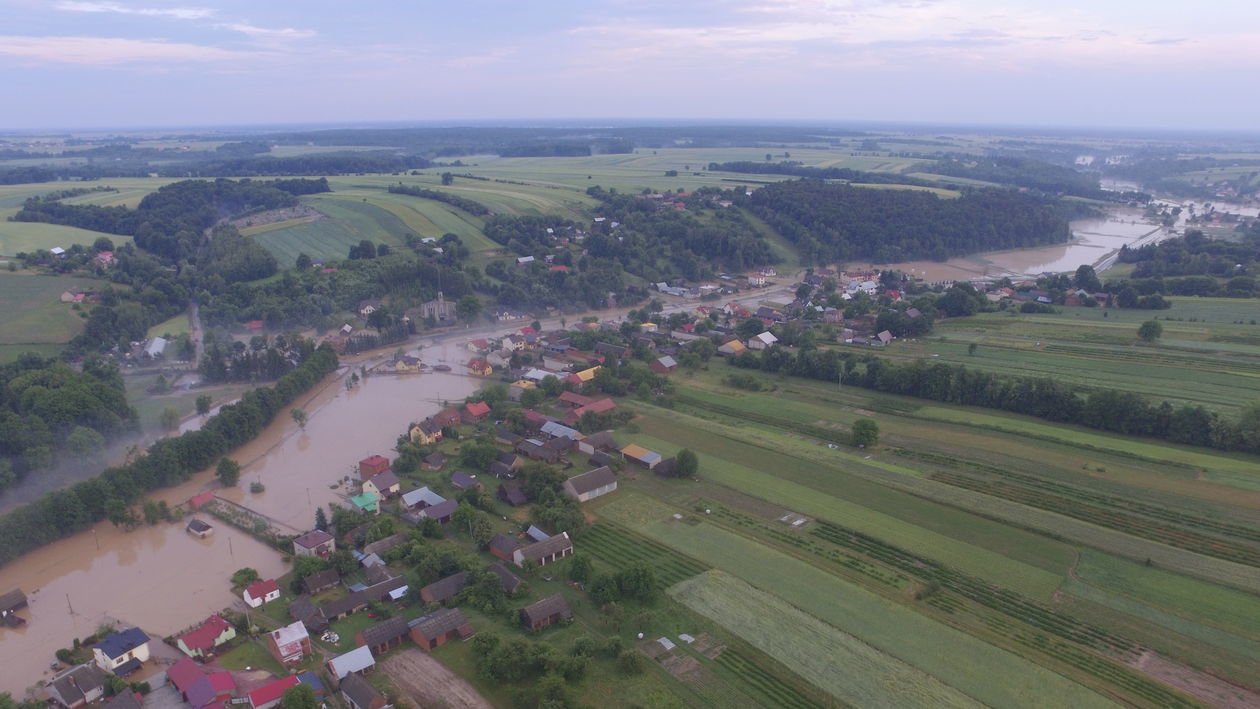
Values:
[(119, 653)]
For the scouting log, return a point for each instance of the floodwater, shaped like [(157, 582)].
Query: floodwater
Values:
[(162, 579), (1094, 242), (159, 578)]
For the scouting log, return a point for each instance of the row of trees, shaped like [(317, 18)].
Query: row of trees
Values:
[(169, 461), (1043, 397), (468, 205)]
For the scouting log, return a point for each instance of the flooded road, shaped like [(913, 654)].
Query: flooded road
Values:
[(164, 580)]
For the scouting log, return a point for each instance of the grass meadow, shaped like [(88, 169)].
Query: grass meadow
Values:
[(33, 313)]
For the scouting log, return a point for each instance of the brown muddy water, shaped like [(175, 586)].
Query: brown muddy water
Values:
[(1094, 242), (164, 580)]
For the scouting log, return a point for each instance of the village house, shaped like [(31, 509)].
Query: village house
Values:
[(503, 547), (663, 365), (640, 455), (77, 686), (448, 417), (199, 528), (211, 691), (314, 543), (384, 636), (420, 498), (591, 484), (508, 580), (383, 484), (762, 341), (556, 429), (463, 481), (600, 440), (479, 367), (513, 494), (367, 307), (372, 465), (122, 653), (184, 674), (433, 461), (441, 512), (732, 348), (260, 592), (428, 432), (367, 501), (599, 406), (10, 603), (544, 552), (269, 695), (290, 645), (380, 546), (358, 661), (361, 695), (202, 640), (476, 411), (321, 581), (548, 611), (439, 627), (443, 589)]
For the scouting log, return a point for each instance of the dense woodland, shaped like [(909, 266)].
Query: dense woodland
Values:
[(1021, 172), (167, 462), (831, 222), (48, 410)]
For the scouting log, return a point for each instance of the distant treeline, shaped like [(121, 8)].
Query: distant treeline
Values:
[(141, 163), (1105, 409), (168, 462), (48, 410), (837, 222), (468, 205), (797, 169), (1021, 172), (1195, 254)]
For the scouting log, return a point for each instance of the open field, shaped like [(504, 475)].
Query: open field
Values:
[(176, 326), (979, 670), (851, 670), (33, 312), (29, 237)]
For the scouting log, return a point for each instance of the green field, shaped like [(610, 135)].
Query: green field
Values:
[(34, 313), (979, 670), (850, 669), (174, 327), (28, 237)]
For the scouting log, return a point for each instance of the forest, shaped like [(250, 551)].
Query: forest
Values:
[(833, 222), (48, 410), (1195, 254)]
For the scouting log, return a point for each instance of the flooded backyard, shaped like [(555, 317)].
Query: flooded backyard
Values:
[(164, 580)]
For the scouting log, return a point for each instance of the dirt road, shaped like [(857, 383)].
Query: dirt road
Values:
[(429, 684)]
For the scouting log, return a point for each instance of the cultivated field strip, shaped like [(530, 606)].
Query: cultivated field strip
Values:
[(619, 547)]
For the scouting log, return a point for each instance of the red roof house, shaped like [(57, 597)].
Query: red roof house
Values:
[(203, 639), (269, 695), (184, 674), (261, 592), (198, 500), (372, 465), (477, 410)]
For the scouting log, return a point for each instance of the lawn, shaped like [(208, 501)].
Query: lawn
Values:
[(253, 655), (851, 670), (28, 237), (174, 327), (982, 671), (34, 313)]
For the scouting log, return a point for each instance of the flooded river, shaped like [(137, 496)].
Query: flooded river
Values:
[(164, 580), (1094, 242)]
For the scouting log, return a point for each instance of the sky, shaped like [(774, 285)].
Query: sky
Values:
[(1104, 63)]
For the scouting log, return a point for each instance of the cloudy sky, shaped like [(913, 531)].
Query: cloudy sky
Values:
[(1158, 63)]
